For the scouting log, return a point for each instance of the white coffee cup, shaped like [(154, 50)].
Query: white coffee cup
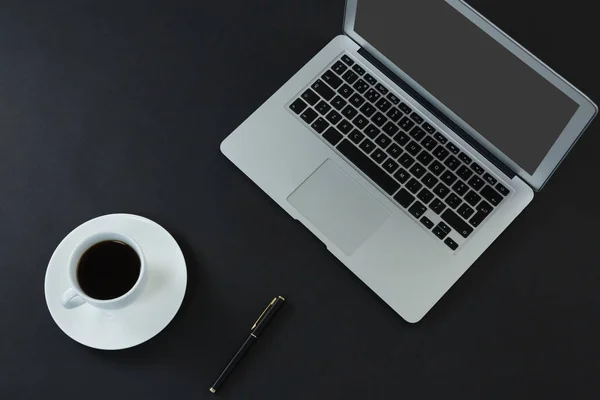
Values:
[(74, 296)]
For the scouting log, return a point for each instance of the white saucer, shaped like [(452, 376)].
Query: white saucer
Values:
[(149, 314)]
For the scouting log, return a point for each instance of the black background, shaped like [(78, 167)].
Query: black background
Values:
[(120, 106)]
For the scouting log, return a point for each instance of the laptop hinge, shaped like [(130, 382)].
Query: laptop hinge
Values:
[(439, 114)]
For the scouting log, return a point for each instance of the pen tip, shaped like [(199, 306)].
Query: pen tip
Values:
[(212, 390), (281, 297)]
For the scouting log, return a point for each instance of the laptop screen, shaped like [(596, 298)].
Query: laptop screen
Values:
[(498, 95)]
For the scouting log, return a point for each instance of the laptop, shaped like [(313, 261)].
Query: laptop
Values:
[(409, 143)]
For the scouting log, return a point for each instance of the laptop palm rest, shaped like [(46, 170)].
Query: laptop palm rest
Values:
[(339, 207)]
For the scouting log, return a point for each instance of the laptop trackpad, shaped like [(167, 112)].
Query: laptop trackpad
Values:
[(339, 207)]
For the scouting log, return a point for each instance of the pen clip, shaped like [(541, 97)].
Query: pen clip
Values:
[(263, 313)]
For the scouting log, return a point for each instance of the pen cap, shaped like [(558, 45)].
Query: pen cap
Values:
[(267, 315)]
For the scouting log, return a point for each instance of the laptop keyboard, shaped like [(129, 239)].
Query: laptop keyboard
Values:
[(419, 167)]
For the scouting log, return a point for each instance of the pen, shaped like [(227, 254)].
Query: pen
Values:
[(255, 331)]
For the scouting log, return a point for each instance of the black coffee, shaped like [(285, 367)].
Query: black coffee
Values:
[(108, 270)]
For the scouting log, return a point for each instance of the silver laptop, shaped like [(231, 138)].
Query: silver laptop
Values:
[(411, 142)]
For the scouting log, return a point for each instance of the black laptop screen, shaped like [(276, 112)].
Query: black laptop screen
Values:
[(492, 90)]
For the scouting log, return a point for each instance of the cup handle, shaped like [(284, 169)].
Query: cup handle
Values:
[(70, 299)]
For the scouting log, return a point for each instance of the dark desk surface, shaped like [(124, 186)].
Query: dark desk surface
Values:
[(120, 106)]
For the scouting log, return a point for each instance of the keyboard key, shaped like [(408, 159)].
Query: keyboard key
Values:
[(457, 223), (394, 114), (477, 168), (320, 125), (413, 148), (378, 156), (357, 100), (427, 222), (347, 59), (338, 102), (332, 135), (414, 185), (472, 198), (360, 86), (477, 219), (379, 119), (381, 88), (502, 189), (465, 211), (310, 97), (425, 196), (372, 131), (349, 112), (448, 178), (428, 128), (368, 109), (325, 91), (464, 158), (441, 190), (358, 69), (383, 104), (452, 147), (464, 172), (383, 141), (429, 180), (356, 136), (393, 98), (345, 126), (440, 233), (394, 151), (417, 118), (453, 200), (489, 179), (436, 168), (451, 243), (332, 79), (429, 143), (443, 226), (350, 76), (424, 158), (402, 175), (406, 160), (440, 138), (417, 209), (298, 106), (372, 170), (361, 121), (323, 107), (406, 124), (309, 115), (345, 91), (490, 194), (390, 128), (402, 138), (437, 206), (460, 187), (485, 207), (417, 170), (452, 163), (417, 133), (390, 165), (339, 67), (372, 95), (334, 117), (404, 198), (370, 79), (367, 146), (476, 183), (440, 153), (405, 109)]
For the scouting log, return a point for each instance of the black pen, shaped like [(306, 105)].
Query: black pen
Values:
[(255, 331)]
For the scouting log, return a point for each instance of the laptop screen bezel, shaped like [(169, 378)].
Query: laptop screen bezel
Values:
[(568, 137)]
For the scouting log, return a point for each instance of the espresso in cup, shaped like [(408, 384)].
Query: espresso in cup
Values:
[(108, 270)]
